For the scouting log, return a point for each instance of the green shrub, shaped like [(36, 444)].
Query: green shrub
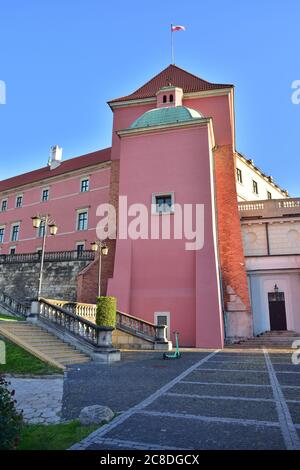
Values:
[(10, 420), (106, 311)]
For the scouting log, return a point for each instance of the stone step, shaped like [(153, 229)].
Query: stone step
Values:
[(64, 353), (74, 360), (42, 344)]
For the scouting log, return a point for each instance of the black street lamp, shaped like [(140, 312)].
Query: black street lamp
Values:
[(102, 249), (46, 222)]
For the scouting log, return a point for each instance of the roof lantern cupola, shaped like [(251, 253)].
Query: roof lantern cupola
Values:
[(169, 96)]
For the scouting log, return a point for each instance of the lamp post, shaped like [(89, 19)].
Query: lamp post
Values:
[(47, 223), (102, 249)]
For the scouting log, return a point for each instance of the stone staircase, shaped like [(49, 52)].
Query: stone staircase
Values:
[(269, 340), (42, 344)]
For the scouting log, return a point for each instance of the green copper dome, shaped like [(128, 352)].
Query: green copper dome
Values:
[(166, 115)]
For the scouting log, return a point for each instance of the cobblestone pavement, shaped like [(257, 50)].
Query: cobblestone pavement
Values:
[(223, 400), (39, 398)]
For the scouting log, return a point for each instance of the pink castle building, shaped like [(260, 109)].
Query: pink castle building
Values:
[(173, 144)]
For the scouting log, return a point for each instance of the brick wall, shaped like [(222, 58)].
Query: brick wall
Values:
[(229, 227), (87, 280)]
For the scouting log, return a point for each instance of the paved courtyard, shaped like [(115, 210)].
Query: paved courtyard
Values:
[(40, 399), (206, 400)]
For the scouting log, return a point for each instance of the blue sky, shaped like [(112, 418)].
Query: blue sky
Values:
[(62, 60)]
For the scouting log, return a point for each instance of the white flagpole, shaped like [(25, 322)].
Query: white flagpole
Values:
[(172, 46)]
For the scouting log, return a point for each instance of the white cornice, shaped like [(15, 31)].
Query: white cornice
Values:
[(165, 127), (126, 104), (202, 94)]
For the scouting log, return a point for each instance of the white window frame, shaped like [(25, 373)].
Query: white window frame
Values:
[(42, 193), (13, 248), (78, 212), (257, 191), (80, 243), (4, 200), (164, 314), (85, 178), (15, 224), (162, 193), (240, 172), (2, 227), (17, 196)]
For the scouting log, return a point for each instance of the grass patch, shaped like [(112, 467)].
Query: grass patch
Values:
[(4, 317), (19, 361), (53, 436)]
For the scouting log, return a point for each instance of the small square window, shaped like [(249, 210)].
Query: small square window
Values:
[(163, 203), (4, 205), (255, 187), (19, 201), (45, 195), (12, 251)]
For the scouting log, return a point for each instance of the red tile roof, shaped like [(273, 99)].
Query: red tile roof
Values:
[(66, 166), (177, 77)]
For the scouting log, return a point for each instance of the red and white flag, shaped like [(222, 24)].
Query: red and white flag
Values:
[(177, 28)]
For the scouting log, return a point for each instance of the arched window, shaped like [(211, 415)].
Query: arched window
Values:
[(164, 98), (171, 98)]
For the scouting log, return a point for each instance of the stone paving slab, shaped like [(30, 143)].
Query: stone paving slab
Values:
[(295, 412), (240, 365), (196, 435), (265, 411), (291, 393), (40, 399), (225, 377), (230, 390), (286, 367), (240, 356), (281, 358), (288, 379)]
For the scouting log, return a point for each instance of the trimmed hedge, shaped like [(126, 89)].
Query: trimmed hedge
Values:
[(106, 311)]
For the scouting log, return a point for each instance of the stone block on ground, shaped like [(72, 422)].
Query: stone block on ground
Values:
[(95, 414)]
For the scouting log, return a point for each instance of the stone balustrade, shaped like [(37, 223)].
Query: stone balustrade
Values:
[(269, 208), (86, 255), (125, 322), (14, 305), (98, 337)]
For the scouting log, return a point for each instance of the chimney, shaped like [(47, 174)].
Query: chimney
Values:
[(55, 157)]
